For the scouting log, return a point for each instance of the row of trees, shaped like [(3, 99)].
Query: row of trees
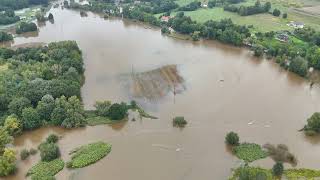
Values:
[(191, 6), (26, 27), (249, 10), (224, 30), (140, 15), (19, 4), (4, 36), (8, 17)]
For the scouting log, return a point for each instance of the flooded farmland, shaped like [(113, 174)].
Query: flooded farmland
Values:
[(216, 87)]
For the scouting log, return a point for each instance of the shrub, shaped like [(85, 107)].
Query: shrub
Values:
[(45, 170), (232, 139), (88, 154), (179, 121), (52, 138), (49, 151), (276, 12), (277, 169), (284, 15), (302, 173), (102, 108), (165, 30), (250, 152), (33, 151), (251, 173), (24, 154)]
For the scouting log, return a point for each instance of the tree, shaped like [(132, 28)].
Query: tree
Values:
[(195, 36), (4, 36), (50, 17), (45, 107), (276, 12), (52, 138), (30, 118), (24, 154), (18, 104), (299, 65), (48, 151), (232, 138), (284, 15), (75, 114), (313, 123), (7, 162), (117, 111), (102, 108), (13, 125), (277, 169), (267, 6), (258, 50), (5, 139)]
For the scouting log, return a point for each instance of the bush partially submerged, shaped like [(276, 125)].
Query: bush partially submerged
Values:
[(52, 138), (179, 121), (302, 173), (88, 154), (232, 139), (280, 153), (24, 154), (46, 170), (249, 152), (49, 151), (251, 173)]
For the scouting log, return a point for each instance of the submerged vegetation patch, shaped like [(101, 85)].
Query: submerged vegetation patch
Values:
[(250, 152), (257, 173), (88, 154), (46, 170)]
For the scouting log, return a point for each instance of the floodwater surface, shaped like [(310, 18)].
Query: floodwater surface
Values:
[(225, 89)]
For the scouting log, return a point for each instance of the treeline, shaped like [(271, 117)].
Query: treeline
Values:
[(249, 10), (159, 6), (4, 36), (19, 4), (218, 3), (224, 30), (308, 34), (26, 27), (42, 85), (191, 6), (297, 57), (140, 15), (8, 17)]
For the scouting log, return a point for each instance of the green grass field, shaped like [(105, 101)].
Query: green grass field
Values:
[(261, 22)]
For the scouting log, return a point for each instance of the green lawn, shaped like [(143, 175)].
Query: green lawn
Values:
[(261, 22)]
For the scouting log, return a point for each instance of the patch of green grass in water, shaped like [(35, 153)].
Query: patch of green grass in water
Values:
[(308, 174), (88, 154), (46, 170), (249, 152)]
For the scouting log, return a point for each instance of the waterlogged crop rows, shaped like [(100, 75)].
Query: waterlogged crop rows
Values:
[(46, 170), (88, 154), (250, 152)]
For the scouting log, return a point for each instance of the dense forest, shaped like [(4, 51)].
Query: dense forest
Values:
[(39, 78), (249, 10)]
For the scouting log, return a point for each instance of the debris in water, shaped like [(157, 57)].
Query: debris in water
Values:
[(178, 149), (267, 126), (250, 123)]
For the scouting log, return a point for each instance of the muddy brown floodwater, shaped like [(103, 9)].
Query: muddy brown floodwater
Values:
[(225, 88)]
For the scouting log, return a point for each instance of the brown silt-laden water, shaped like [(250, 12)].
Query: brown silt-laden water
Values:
[(222, 89)]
